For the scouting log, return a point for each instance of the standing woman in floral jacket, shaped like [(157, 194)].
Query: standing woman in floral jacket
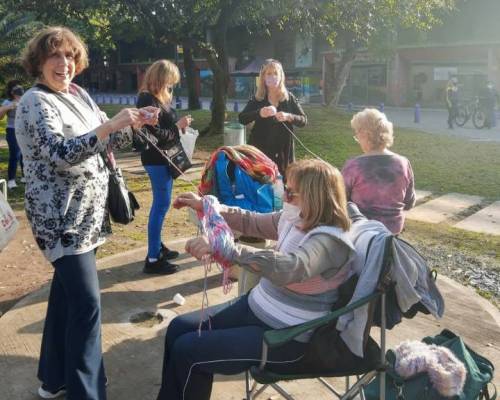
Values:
[(156, 90), (60, 132)]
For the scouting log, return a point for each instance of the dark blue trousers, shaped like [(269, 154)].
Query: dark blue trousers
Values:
[(161, 183), (232, 346), (14, 153), (71, 354)]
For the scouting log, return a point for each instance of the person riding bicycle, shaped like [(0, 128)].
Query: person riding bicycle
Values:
[(452, 100)]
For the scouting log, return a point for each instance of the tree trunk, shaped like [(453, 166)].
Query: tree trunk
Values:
[(336, 83), (217, 59), (341, 73), (190, 68)]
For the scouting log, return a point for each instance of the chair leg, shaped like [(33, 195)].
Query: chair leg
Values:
[(281, 391), (329, 387), (358, 386)]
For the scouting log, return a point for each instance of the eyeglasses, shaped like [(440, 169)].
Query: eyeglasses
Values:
[(289, 193)]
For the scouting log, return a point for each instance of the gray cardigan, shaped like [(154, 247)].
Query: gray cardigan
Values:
[(66, 179)]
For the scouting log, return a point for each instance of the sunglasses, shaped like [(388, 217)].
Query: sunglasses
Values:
[(289, 193)]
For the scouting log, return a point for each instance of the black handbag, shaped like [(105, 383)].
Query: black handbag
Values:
[(175, 156), (121, 202)]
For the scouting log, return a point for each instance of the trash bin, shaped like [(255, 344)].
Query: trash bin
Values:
[(234, 134)]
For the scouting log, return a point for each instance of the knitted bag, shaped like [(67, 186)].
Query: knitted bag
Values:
[(479, 374)]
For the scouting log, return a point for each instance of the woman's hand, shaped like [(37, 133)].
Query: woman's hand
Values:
[(184, 122), (150, 115), (266, 112), (128, 117), (284, 116), (198, 247), (189, 199)]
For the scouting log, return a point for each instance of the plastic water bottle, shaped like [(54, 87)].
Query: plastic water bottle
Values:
[(278, 190)]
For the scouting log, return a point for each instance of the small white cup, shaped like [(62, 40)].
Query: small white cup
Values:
[(178, 299)]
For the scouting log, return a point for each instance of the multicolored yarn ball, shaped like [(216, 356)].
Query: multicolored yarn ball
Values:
[(220, 236)]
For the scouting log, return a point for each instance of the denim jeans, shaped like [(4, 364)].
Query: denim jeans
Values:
[(161, 183), (14, 153), (71, 354), (231, 346)]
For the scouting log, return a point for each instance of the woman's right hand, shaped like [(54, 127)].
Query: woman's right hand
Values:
[(266, 112), (188, 199)]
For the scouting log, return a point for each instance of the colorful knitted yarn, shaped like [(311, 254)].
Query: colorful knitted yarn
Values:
[(220, 236), (253, 161)]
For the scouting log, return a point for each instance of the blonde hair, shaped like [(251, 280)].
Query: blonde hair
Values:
[(158, 76), (45, 42), (261, 92), (376, 126), (322, 191)]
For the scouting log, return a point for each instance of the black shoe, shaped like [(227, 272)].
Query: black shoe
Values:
[(167, 253), (159, 267)]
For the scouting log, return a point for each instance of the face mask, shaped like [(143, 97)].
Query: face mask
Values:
[(271, 81), (291, 212)]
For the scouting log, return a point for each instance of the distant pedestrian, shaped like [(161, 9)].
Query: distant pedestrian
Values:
[(380, 182), (271, 109), (452, 100), (489, 99), (14, 91)]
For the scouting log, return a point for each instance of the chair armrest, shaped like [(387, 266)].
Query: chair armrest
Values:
[(278, 337)]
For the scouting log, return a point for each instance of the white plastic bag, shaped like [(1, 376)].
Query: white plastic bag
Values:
[(8, 223), (188, 141)]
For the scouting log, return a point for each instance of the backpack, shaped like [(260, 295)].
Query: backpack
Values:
[(235, 188)]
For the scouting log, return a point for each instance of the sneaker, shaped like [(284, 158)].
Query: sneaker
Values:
[(45, 393), (159, 267), (23, 179), (11, 184), (167, 253)]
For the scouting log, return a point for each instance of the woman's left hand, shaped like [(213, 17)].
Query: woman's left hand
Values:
[(198, 247), (184, 122), (283, 116)]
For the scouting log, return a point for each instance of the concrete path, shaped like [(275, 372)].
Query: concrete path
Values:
[(133, 351), (435, 122)]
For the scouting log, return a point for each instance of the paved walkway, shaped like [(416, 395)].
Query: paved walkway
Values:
[(133, 352)]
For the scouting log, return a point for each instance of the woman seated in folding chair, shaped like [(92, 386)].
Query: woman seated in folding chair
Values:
[(299, 283)]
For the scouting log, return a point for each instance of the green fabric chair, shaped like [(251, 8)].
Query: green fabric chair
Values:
[(325, 344)]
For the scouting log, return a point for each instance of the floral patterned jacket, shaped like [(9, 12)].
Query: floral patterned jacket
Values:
[(66, 179)]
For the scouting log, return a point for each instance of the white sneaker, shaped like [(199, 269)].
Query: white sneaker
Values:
[(45, 394), (23, 179), (11, 184)]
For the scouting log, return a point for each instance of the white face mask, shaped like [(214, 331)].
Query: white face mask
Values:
[(291, 213)]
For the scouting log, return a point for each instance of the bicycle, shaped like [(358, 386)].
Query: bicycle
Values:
[(471, 109)]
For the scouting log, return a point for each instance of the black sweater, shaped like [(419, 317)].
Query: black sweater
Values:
[(268, 134), (166, 132)]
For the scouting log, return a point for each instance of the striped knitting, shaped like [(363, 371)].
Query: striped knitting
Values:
[(253, 161)]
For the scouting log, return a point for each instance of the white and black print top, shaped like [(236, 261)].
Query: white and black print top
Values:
[(66, 179)]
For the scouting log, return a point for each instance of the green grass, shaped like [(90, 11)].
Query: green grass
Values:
[(442, 164)]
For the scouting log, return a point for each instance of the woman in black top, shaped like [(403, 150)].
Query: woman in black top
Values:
[(156, 90), (271, 109)]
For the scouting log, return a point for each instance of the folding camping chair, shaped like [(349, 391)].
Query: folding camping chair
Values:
[(364, 369)]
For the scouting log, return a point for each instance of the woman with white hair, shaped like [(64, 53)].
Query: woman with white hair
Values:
[(273, 109), (379, 181)]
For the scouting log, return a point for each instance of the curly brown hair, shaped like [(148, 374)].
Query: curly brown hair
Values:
[(45, 42)]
